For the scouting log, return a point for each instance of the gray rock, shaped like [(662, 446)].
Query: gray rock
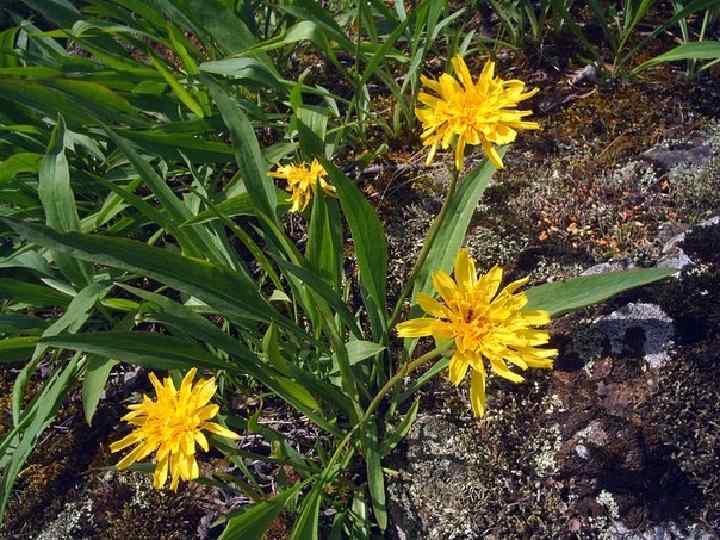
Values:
[(673, 255), (656, 328), (609, 266), (696, 154)]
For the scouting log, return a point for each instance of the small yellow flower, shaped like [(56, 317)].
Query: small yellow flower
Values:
[(475, 113), (170, 426), (483, 324), (302, 180)]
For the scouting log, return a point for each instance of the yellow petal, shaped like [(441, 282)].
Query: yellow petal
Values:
[(445, 286), (477, 392), (499, 367), (493, 155), (536, 317), (217, 429), (419, 327), (161, 473), (457, 368), (186, 385), (490, 282), (204, 391), (460, 152), (126, 441), (131, 458), (429, 305), (462, 71), (207, 412), (201, 440), (464, 269)]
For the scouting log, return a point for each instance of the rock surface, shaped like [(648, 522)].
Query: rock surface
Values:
[(620, 441)]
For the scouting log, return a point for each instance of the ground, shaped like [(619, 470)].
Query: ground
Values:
[(602, 444)]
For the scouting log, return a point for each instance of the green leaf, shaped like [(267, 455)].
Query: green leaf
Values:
[(360, 350), (697, 50), (169, 146), (58, 201), (19, 163), (423, 379), (75, 316), (16, 323), (297, 394), (147, 349), (180, 91), (369, 237), (392, 438), (320, 287), (196, 241), (227, 291), (324, 251), (375, 476), (244, 68), (306, 526), (253, 523), (34, 423), (239, 205), (452, 231), (563, 296), (15, 350), (252, 166), (32, 294), (98, 369)]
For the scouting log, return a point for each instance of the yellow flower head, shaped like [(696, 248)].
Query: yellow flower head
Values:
[(170, 426), (483, 324), (475, 112), (302, 180)]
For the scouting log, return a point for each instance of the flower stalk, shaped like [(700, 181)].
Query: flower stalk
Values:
[(427, 245)]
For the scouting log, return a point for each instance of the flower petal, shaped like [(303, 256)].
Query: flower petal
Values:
[(217, 429), (464, 270), (477, 392), (457, 367), (420, 327)]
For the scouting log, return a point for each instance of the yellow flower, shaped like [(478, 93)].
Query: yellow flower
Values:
[(475, 113), (483, 324), (170, 426), (302, 180)]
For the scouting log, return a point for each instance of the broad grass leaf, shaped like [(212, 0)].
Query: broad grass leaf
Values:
[(698, 50), (58, 201), (252, 166), (296, 393), (306, 526), (375, 475), (321, 288), (18, 349), (563, 296), (38, 296), (253, 523), (20, 442), (22, 162), (451, 233), (324, 251), (228, 292), (147, 349), (360, 350), (196, 240), (369, 237), (17, 323), (393, 437), (75, 316), (97, 371)]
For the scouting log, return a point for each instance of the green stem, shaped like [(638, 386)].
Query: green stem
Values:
[(429, 241), (404, 371)]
